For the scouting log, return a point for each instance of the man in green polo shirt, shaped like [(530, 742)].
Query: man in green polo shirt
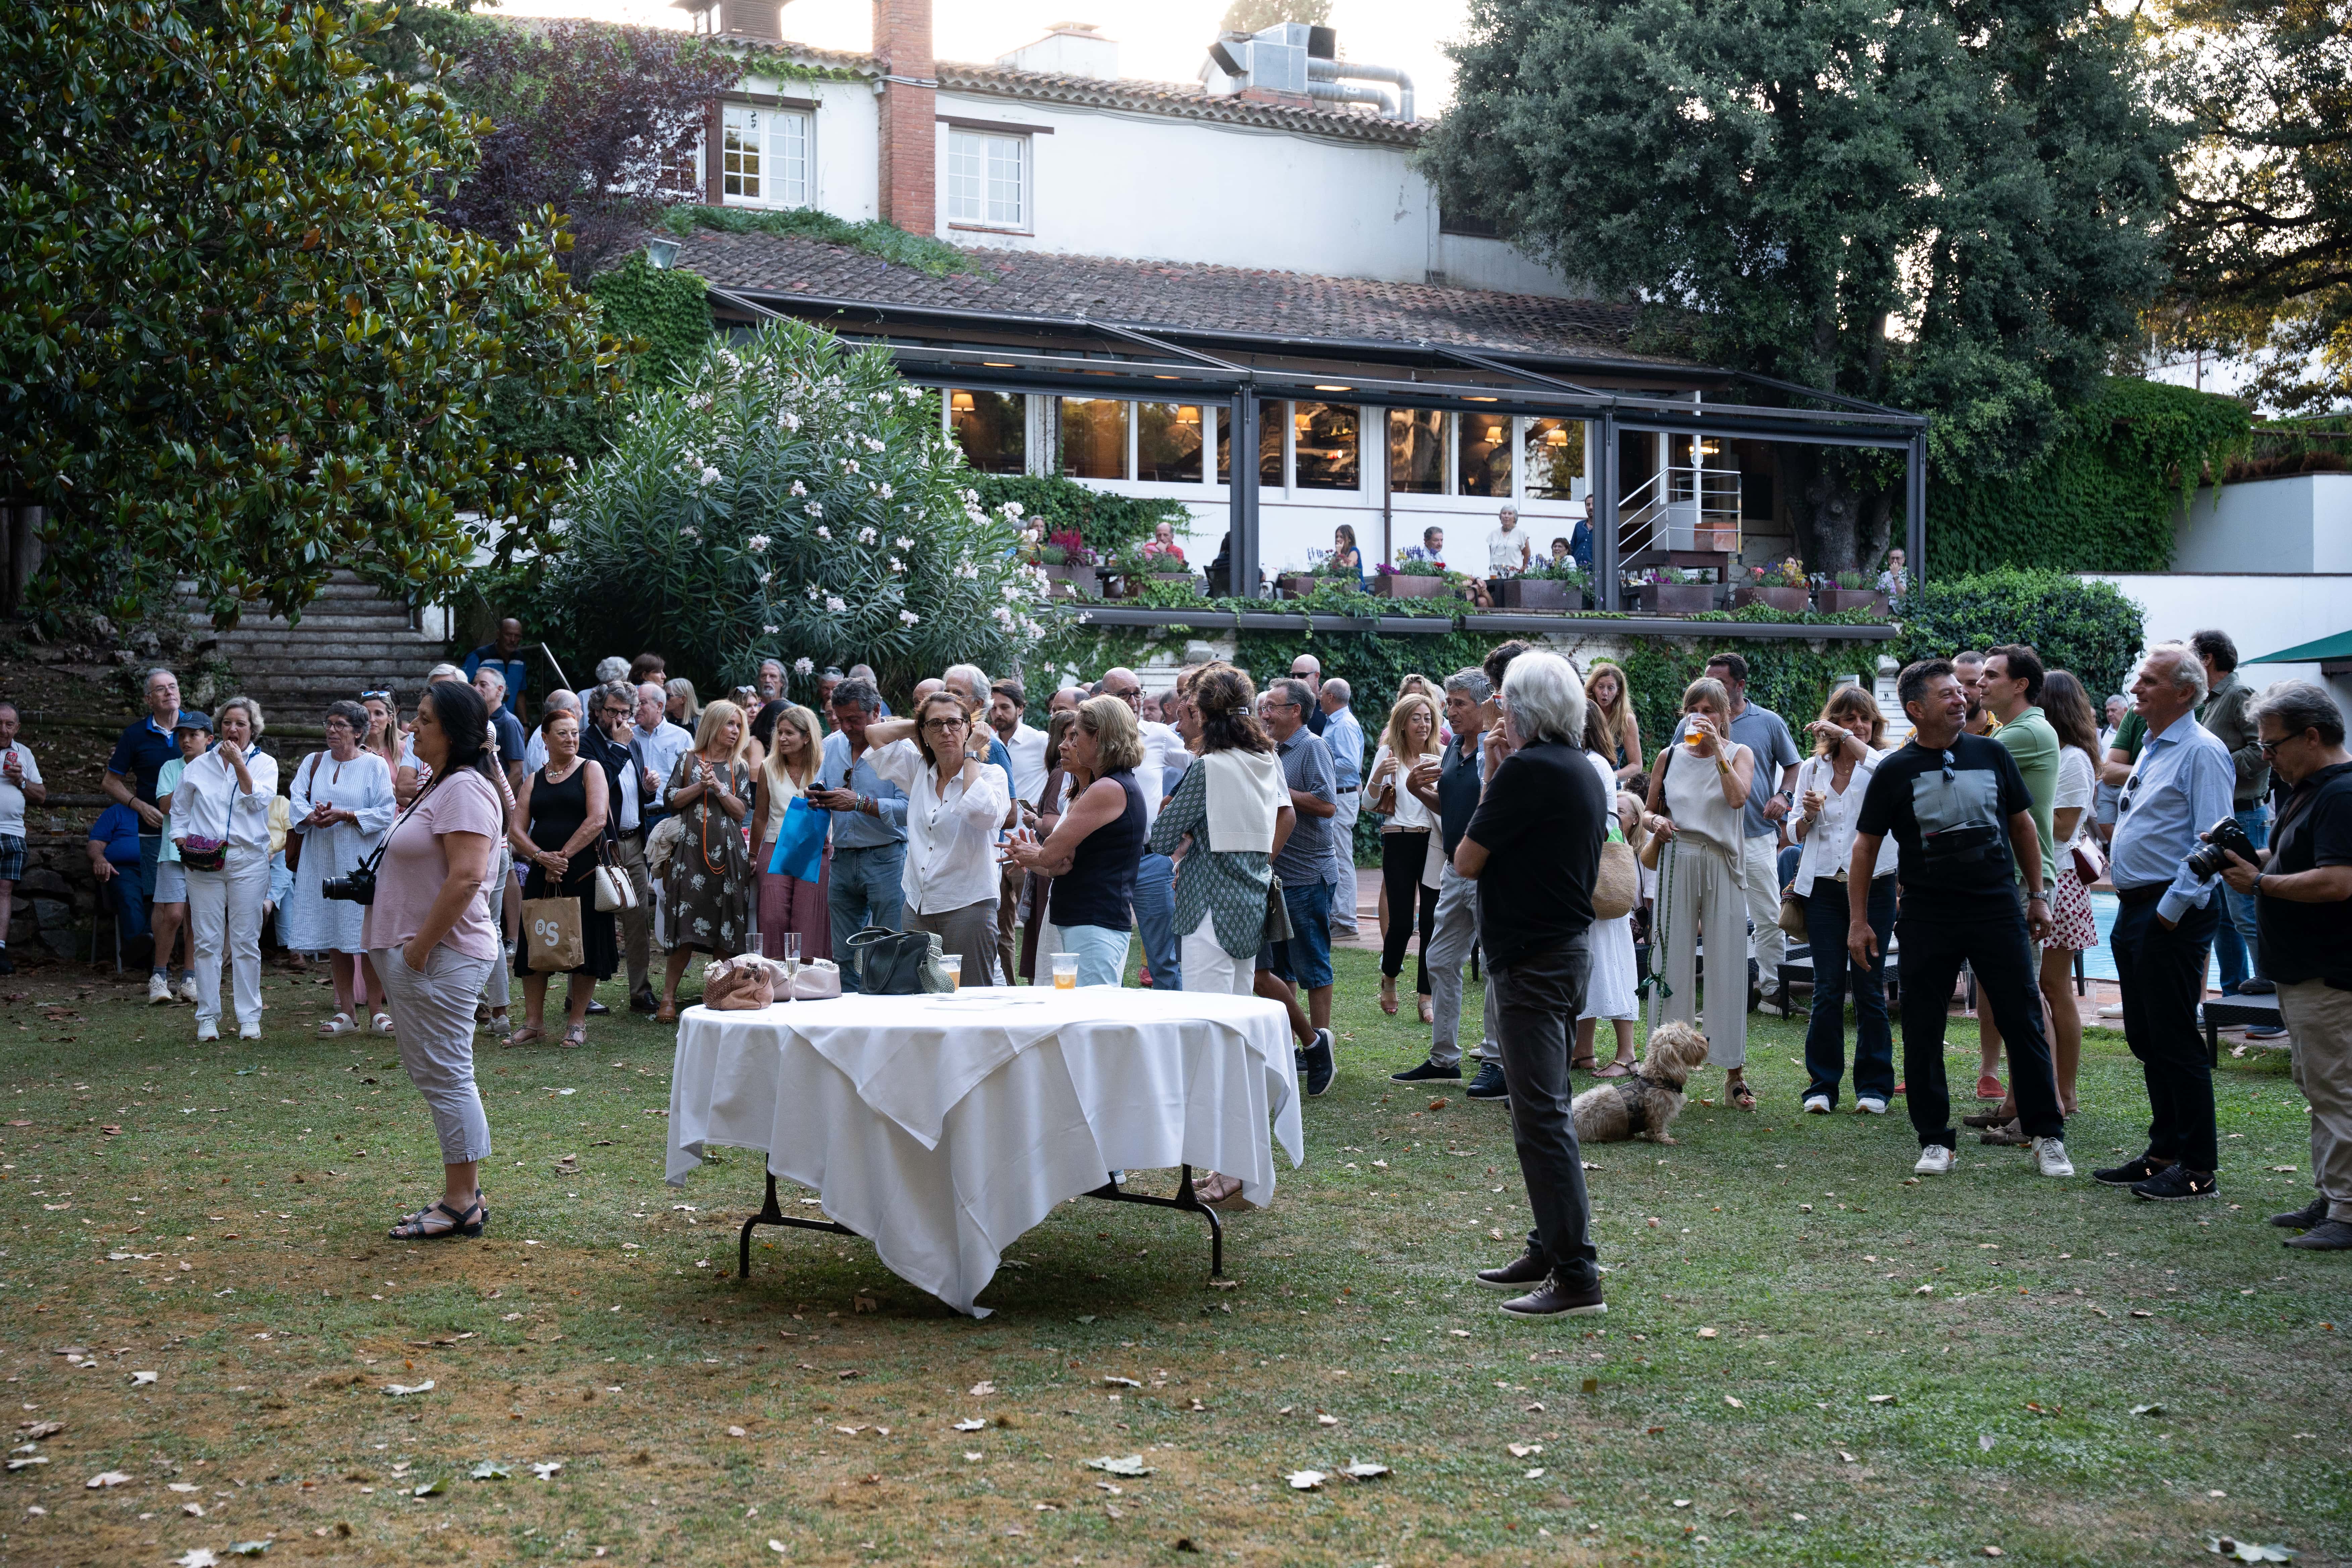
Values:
[(2012, 688)]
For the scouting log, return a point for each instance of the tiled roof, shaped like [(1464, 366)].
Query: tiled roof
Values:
[(1171, 296), (1185, 101)]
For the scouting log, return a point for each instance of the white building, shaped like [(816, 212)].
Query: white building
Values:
[(1151, 264)]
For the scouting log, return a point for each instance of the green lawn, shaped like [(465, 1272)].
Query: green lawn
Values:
[(1806, 1359)]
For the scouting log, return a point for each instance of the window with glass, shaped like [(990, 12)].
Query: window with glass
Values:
[(1328, 453), (988, 179), (992, 428), (1094, 437), (1554, 456), (763, 155), (1168, 439), (1482, 455), (1417, 451), (1271, 422)]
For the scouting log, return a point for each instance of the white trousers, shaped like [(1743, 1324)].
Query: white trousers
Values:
[(1208, 967), (1763, 891), (224, 913), (1342, 875)]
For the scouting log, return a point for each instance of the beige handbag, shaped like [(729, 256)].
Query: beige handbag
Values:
[(551, 931), (1792, 916), (1618, 884), (614, 890)]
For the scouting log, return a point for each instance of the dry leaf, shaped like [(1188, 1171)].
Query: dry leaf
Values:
[(403, 1390), (2138, 1312), (1707, 1333), (982, 1389), (1111, 1382), (548, 1470), (1521, 1450), (2248, 1552), (197, 1557), (1536, 1474), (1132, 1464), (1312, 1480), (1327, 1420), (974, 1425), (106, 1478), (2147, 1409), (1882, 1399), (35, 1431), (491, 1470), (1358, 1471), (15, 1465), (1733, 1402)]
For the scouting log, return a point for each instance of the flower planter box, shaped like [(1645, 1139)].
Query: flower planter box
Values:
[(1072, 581), (1833, 600), (1677, 598), (1533, 594), (1298, 584), (1796, 601), (1400, 585), (1724, 541)]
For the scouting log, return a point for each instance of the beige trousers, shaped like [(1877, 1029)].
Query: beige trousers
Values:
[(1699, 898), (2320, 1019)]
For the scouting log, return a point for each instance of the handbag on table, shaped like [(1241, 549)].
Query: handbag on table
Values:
[(898, 963)]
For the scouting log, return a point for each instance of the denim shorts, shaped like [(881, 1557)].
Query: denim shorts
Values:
[(1306, 959), (171, 883)]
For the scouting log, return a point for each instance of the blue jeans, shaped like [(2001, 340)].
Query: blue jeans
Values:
[(1306, 959), (1101, 953), (1154, 902), (868, 889), (2233, 939), (1827, 915)]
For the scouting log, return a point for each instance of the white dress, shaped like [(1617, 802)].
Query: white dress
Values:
[(309, 923), (1609, 994)]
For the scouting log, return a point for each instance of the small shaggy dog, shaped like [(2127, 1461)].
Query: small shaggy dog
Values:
[(1647, 1103)]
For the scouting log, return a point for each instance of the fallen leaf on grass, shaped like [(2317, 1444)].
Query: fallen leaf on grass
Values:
[(982, 1389), (1132, 1464), (197, 1557), (403, 1390), (1984, 1442), (1536, 1474), (142, 1379), (1521, 1450), (1113, 1382), (1882, 1399), (20, 1464), (248, 1547), (1707, 1333), (974, 1425), (1327, 1420), (35, 1431), (547, 1471), (2138, 1312), (2147, 1409), (2249, 1551), (1312, 1480), (775, 1545), (491, 1470), (427, 1489), (1359, 1471), (106, 1478)]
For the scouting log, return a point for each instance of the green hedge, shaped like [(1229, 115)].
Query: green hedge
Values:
[(1105, 522), (664, 309), (2090, 628), (2102, 500)]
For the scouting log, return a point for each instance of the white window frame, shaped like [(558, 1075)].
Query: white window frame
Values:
[(782, 139), (972, 171)]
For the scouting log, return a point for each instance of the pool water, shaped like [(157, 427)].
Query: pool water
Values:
[(2099, 964)]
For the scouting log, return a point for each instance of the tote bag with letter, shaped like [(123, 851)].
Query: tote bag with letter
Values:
[(800, 842), (552, 927)]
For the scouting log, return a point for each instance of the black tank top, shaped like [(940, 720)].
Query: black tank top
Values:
[(1100, 881)]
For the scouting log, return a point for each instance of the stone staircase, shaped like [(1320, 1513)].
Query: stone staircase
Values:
[(351, 639)]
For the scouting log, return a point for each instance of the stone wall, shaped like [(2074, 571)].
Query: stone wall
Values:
[(57, 896)]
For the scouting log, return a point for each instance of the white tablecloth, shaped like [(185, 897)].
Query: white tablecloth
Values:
[(941, 1127)]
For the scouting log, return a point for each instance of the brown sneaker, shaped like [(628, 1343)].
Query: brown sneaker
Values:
[(1558, 1298), (1527, 1268)]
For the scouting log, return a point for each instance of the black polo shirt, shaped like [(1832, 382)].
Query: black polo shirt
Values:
[(2310, 941)]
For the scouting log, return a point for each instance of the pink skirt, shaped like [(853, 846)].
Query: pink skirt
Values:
[(788, 904), (2070, 911)]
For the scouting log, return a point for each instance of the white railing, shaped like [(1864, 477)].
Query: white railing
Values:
[(1680, 509)]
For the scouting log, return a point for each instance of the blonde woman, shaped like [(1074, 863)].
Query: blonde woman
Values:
[(1606, 690), (684, 707), (220, 820), (1094, 847), (786, 903), (1850, 738), (1698, 793), (708, 890), (1408, 869), (388, 740)]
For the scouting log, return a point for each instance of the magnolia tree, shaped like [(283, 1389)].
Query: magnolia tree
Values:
[(789, 498)]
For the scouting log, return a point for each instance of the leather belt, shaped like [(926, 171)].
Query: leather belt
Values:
[(1344, 789), (2147, 895)]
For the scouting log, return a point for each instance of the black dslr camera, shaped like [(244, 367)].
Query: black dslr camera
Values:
[(2223, 839), (359, 888)]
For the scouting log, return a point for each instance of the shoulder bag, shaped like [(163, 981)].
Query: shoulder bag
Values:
[(615, 890), (898, 962), (1619, 882), (294, 840)]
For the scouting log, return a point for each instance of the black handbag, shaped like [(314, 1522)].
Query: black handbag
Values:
[(898, 962)]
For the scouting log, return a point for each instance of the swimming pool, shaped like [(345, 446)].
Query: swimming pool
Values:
[(2099, 963)]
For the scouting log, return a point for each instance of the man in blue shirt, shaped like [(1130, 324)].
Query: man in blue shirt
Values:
[(869, 827), (1303, 961), (114, 859), (1579, 540), (2180, 786), (505, 656), (1345, 737), (130, 780)]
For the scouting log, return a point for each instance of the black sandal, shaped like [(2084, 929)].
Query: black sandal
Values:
[(468, 1223)]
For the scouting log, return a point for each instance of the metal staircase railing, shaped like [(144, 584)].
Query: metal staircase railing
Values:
[(1689, 509)]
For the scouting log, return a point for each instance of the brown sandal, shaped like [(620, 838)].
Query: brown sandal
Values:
[(1743, 1095), (529, 1034), (1615, 1069)]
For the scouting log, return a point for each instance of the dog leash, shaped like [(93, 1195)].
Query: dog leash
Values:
[(1660, 928)]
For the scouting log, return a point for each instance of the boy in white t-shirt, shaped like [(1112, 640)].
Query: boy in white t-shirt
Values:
[(20, 784)]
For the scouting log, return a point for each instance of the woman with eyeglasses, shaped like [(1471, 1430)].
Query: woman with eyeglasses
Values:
[(707, 891), (558, 819), (220, 820), (340, 805), (955, 802)]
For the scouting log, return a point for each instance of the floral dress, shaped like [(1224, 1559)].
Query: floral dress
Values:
[(708, 890)]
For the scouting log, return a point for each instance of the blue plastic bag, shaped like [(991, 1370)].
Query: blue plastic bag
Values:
[(800, 842)]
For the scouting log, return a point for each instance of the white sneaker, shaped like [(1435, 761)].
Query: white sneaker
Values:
[(2050, 1157), (188, 989), (1934, 1160), (248, 1031), (1817, 1105), (206, 1033), (2112, 1010), (1870, 1105), (158, 989)]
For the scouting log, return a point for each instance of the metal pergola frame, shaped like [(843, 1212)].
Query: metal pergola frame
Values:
[(1079, 356)]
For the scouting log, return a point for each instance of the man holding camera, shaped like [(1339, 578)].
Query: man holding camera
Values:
[(2302, 893), (2163, 933)]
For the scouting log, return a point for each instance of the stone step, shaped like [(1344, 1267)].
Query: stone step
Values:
[(345, 647)]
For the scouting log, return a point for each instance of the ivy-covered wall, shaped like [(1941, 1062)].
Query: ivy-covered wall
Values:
[(662, 308), (2103, 498)]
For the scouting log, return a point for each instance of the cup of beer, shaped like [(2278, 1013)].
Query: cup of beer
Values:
[(953, 963), (1065, 971)]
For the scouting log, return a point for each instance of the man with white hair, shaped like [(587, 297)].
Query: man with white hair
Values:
[(1345, 737), (1534, 849), (772, 681), (506, 730), (2163, 934), (609, 669)]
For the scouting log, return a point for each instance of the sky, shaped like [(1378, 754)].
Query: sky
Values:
[(1162, 40)]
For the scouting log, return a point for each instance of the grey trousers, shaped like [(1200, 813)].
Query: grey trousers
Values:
[(636, 925), (2321, 1020), (970, 932), (1452, 938), (1540, 995), (435, 1014)]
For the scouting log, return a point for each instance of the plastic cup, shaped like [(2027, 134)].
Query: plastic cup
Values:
[(1065, 971), (953, 963)]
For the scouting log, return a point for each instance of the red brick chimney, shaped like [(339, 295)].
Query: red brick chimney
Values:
[(902, 43)]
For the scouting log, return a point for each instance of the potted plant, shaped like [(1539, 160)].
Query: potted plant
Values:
[(1417, 574), (1780, 585), (1165, 564), (1548, 585), (1671, 591), (1069, 566), (1852, 592)]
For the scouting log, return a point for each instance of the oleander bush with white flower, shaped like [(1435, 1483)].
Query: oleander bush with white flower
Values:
[(789, 497)]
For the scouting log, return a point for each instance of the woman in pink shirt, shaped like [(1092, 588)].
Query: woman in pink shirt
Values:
[(433, 941)]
